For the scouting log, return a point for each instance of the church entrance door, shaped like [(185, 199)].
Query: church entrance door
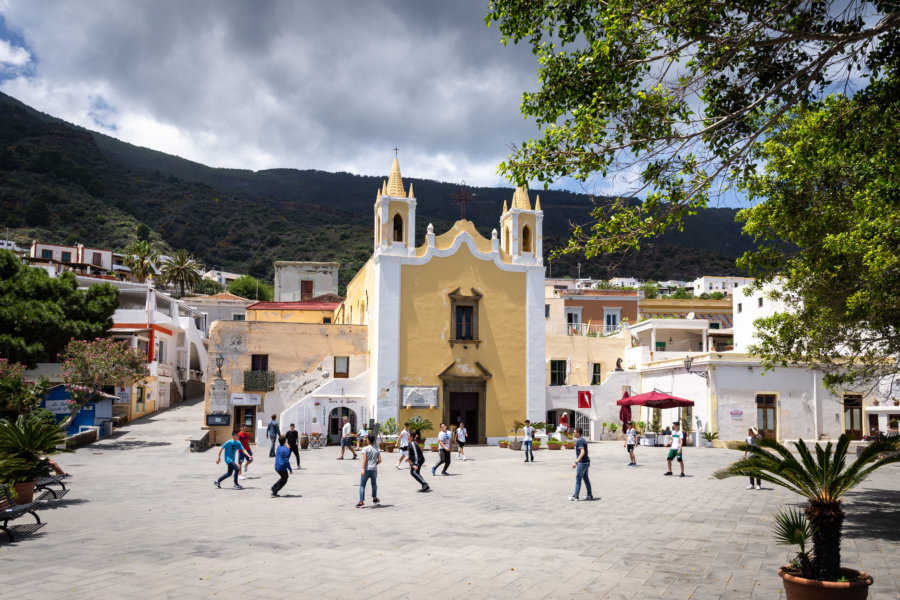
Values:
[(464, 408)]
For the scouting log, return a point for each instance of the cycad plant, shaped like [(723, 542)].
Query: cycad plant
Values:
[(23, 446), (792, 529), (822, 478), (181, 269)]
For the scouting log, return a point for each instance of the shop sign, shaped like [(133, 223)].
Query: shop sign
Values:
[(737, 414), (123, 394), (245, 399)]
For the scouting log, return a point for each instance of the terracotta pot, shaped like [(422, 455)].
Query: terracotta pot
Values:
[(515, 445), (389, 447), (503, 444), (798, 588), (24, 492), (570, 445), (435, 448)]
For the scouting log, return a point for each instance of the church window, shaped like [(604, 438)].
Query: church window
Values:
[(464, 317), (526, 239), (398, 228)]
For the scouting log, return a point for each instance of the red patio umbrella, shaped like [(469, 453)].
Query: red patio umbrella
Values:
[(655, 399)]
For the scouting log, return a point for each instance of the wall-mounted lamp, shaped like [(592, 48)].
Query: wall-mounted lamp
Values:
[(688, 361), (220, 360)]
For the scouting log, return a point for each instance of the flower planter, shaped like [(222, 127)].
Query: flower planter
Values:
[(515, 446), (390, 447), (568, 445), (798, 588), (556, 446), (503, 444), (24, 492), (535, 445), (435, 447)]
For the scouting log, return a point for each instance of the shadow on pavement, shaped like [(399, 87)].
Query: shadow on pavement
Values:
[(872, 514), (62, 503), (25, 531), (128, 445)]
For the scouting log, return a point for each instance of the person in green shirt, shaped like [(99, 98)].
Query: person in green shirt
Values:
[(677, 444)]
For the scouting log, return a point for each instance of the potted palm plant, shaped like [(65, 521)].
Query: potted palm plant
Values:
[(419, 425), (822, 478), (709, 437), (515, 444), (24, 446)]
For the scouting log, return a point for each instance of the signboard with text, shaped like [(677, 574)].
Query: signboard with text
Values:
[(245, 399)]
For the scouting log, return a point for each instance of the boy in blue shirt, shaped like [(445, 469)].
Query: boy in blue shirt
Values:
[(230, 448), (282, 465)]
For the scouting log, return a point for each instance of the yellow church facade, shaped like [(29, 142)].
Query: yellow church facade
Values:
[(456, 322)]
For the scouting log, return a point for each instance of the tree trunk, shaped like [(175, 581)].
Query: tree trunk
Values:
[(826, 519)]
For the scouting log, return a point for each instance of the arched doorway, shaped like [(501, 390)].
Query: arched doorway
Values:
[(334, 423), (398, 228), (526, 239)]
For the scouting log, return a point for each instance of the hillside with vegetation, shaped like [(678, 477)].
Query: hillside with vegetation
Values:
[(60, 183)]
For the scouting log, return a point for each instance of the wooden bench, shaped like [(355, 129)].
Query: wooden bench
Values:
[(9, 510), (45, 483)]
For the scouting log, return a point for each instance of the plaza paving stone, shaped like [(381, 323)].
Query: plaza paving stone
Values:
[(143, 520)]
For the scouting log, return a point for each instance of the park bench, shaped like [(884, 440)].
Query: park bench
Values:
[(45, 483), (9, 510)]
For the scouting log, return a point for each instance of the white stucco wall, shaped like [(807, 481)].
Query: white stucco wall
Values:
[(288, 276)]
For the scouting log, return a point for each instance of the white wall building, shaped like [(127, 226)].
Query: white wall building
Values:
[(726, 285), (625, 282), (223, 277), (303, 281)]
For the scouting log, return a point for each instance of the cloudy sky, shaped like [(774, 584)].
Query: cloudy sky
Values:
[(269, 83)]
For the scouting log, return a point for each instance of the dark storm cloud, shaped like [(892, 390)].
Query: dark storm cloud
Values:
[(327, 85)]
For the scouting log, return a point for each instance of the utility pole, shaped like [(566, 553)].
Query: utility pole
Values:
[(579, 270)]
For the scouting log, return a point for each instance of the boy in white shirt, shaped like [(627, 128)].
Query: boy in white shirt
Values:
[(404, 445), (630, 442)]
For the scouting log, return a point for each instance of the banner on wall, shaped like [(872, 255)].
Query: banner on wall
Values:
[(584, 399)]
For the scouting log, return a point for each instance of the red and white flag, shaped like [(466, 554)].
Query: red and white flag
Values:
[(584, 399)]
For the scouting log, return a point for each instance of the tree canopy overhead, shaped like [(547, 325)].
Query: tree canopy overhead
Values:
[(678, 92), (40, 314), (831, 190)]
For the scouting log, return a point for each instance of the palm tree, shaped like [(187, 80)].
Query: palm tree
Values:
[(181, 269), (822, 479), (141, 257)]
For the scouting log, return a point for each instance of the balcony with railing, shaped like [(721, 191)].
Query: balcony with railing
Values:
[(259, 381), (582, 329)]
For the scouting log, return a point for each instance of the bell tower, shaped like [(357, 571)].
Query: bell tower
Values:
[(522, 229), (395, 216)]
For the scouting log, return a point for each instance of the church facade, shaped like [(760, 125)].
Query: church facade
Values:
[(456, 321), (454, 330)]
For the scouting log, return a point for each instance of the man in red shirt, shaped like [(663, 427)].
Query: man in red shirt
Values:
[(244, 439)]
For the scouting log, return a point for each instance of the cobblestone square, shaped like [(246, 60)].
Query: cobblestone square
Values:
[(143, 520)]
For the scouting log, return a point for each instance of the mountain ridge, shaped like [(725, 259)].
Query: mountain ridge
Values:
[(63, 183)]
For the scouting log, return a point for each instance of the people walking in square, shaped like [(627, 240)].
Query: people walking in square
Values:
[(247, 454), (416, 460), (272, 432), (753, 440), (529, 440), (677, 444), (630, 442), (461, 437), (230, 448), (293, 439), (369, 472), (282, 465), (444, 443), (346, 440), (581, 465), (404, 446)]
